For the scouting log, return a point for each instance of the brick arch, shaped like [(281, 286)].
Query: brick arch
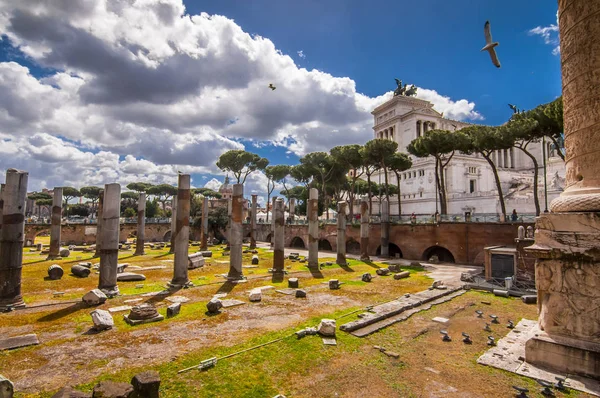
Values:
[(167, 236), (297, 243), (443, 254), (352, 246), (393, 249)]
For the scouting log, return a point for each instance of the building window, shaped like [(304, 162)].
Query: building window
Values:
[(472, 170), (472, 186)]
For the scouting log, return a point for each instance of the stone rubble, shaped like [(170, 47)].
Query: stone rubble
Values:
[(102, 320), (94, 297)]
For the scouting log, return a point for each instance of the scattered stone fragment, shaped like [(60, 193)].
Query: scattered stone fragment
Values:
[(120, 308), (64, 252), (327, 327), (415, 264), (143, 313), (311, 331), (102, 320), (441, 320), (279, 396), (529, 299), (391, 354), (288, 291), (68, 392), (366, 277), (10, 343), (206, 253), (437, 284), (382, 271), (146, 384), (394, 268), (231, 303), (140, 286), (7, 388), (173, 310), (111, 389), (255, 260), (195, 260), (255, 295), (467, 277), (401, 275), (329, 341), (85, 264), (329, 263), (177, 299), (55, 272), (58, 294), (501, 293), (133, 301), (254, 251), (214, 305), (121, 268), (293, 283), (94, 297), (80, 272), (300, 293), (434, 259), (130, 277), (486, 302), (334, 284)]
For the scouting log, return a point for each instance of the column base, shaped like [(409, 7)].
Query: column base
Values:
[(111, 292), (53, 258), (177, 286), (277, 271), (12, 304), (565, 355), (235, 278)]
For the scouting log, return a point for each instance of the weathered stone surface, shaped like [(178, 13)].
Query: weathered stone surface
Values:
[(382, 271), (206, 253), (102, 320), (366, 277), (327, 327), (130, 277), (440, 319), (402, 275), (143, 311), (334, 284), (10, 343), (7, 388), (293, 283), (146, 384), (121, 268), (64, 252), (55, 272), (195, 260), (214, 305), (68, 392), (255, 260), (111, 389), (173, 310), (255, 295), (529, 299), (79, 271), (394, 268), (300, 293), (94, 297), (85, 264)]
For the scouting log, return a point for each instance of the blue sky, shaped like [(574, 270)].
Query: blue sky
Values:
[(433, 44)]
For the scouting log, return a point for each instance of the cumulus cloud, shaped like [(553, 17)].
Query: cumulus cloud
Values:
[(143, 89), (549, 34)]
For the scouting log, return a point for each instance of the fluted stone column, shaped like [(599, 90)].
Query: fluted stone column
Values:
[(385, 228), (55, 220), (99, 215), (313, 228), (109, 240), (273, 199), (235, 232), (204, 238), (141, 226), (364, 229), (292, 211), (342, 209), (173, 222), (253, 222), (279, 236), (180, 236), (14, 195), (567, 241)]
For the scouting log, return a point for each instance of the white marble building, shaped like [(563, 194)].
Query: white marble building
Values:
[(469, 179)]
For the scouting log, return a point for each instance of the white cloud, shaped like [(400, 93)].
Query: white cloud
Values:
[(550, 34), (301, 54), (144, 89), (213, 184)]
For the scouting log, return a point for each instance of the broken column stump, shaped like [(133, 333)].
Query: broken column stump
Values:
[(146, 384), (55, 272)]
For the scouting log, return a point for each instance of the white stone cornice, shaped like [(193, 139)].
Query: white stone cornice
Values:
[(411, 101)]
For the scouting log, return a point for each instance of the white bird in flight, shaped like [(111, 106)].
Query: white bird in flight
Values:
[(489, 44)]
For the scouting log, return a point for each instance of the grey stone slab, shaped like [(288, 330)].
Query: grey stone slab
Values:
[(231, 303), (10, 343), (440, 319), (287, 291), (177, 299), (155, 267), (120, 308), (134, 322), (329, 341)]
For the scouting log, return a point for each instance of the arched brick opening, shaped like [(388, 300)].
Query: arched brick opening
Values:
[(325, 245), (393, 249), (43, 232), (269, 237), (443, 254), (297, 243), (352, 247), (167, 236)]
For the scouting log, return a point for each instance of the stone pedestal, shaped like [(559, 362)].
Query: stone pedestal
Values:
[(278, 236), (55, 219), (253, 222), (342, 209), (109, 240), (141, 225), (204, 237), (313, 228), (14, 194), (568, 284), (385, 228), (180, 235), (174, 205), (235, 233), (364, 229)]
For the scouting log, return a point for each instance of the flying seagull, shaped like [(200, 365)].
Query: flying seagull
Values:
[(489, 45), (514, 108), (271, 86)]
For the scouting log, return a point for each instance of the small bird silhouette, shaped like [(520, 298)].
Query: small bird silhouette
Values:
[(489, 44), (514, 108), (271, 86)]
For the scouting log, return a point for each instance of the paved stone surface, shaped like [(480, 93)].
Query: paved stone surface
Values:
[(177, 299), (25, 340), (68, 392), (111, 389), (509, 354), (287, 291)]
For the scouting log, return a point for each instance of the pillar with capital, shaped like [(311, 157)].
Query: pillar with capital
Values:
[(55, 220), (278, 236), (109, 240), (180, 235), (235, 233), (567, 240)]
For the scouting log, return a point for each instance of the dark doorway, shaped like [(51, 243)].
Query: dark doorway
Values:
[(297, 243), (393, 249), (442, 254), (325, 245)]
